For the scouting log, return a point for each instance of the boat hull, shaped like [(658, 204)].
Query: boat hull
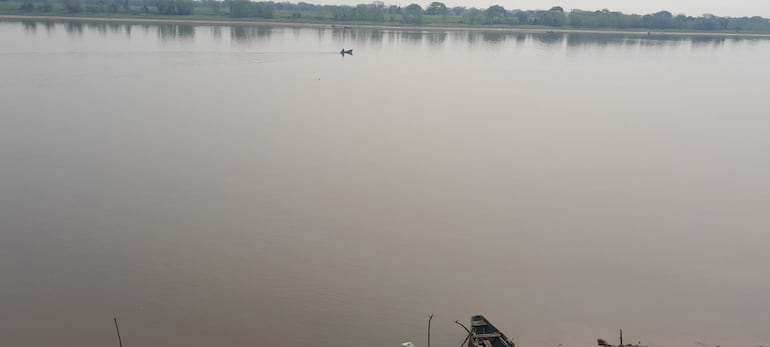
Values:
[(484, 334)]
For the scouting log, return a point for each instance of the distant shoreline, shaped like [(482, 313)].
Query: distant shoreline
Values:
[(543, 30)]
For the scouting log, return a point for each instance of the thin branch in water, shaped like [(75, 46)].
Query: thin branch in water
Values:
[(466, 339), (461, 324), (120, 341), (429, 319), (466, 330)]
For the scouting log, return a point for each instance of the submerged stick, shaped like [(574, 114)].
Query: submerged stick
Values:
[(461, 324), (467, 338), (429, 319), (120, 341)]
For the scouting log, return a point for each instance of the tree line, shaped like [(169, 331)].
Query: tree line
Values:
[(413, 14), (162, 7)]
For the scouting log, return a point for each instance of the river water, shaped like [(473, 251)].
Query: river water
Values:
[(249, 186)]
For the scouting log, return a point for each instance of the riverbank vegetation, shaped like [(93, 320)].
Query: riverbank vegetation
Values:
[(435, 13)]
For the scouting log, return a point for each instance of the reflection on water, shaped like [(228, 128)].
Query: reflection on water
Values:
[(169, 32), (29, 25), (320, 33), (435, 39), (589, 40), (50, 26), (493, 38), (410, 37), (231, 185), (74, 28), (99, 27), (711, 41), (297, 32), (250, 34), (369, 35), (549, 38), (115, 27), (374, 36), (216, 32)]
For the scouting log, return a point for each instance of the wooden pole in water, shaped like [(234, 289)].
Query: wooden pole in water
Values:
[(461, 324), (467, 338), (120, 341), (429, 319)]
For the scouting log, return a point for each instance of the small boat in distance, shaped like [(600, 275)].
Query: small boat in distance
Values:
[(346, 51), (484, 334), (603, 342)]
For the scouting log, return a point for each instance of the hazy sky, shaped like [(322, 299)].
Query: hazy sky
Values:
[(735, 8)]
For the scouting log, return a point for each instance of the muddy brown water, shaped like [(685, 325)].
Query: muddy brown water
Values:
[(250, 186)]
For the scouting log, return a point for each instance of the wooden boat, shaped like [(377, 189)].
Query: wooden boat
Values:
[(484, 334)]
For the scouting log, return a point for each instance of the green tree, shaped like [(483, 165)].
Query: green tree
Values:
[(437, 8), (175, 7), (522, 17), (659, 20), (496, 14), (342, 13), (45, 6), (246, 8), (72, 6), (458, 10), (412, 14), (473, 16), (554, 17), (27, 6), (371, 13)]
